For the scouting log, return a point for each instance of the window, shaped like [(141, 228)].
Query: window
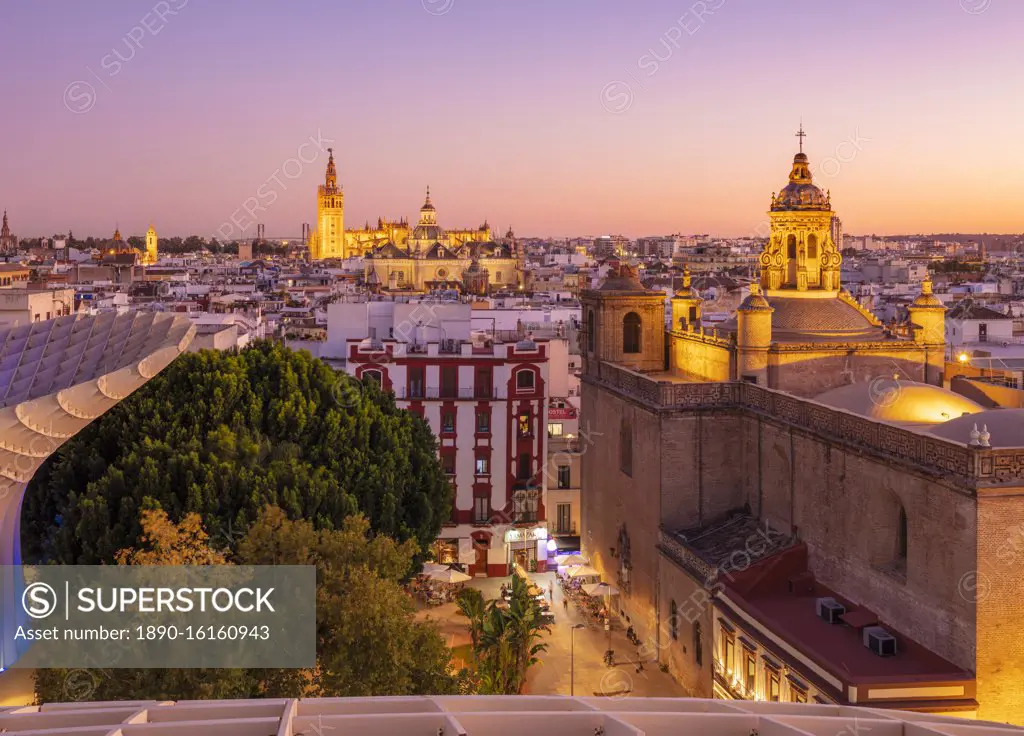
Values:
[(983, 332), (812, 247), (481, 509), (749, 673), (693, 314), (798, 691), (729, 654), (626, 447), (416, 382), (374, 376), (525, 426), (448, 464), (791, 247), (524, 473), (773, 685), (483, 383), (698, 645), (448, 421), (554, 429), (673, 619), (564, 516), (564, 476), (525, 504), (497, 276), (449, 381), (483, 422), (631, 333), (483, 466), (524, 380), (590, 330)]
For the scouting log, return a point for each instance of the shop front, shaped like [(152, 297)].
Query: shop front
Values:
[(527, 548)]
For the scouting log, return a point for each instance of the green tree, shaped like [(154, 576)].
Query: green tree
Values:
[(368, 642), (222, 434)]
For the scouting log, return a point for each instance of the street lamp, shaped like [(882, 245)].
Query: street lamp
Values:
[(572, 658)]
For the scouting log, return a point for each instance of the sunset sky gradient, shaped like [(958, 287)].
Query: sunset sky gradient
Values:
[(512, 110)]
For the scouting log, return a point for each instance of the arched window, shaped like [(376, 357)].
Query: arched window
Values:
[(673, 619), (375, 376), (631, 333), (698, 646), (791, 247), (812, 247), (524, 380), (590, 330)]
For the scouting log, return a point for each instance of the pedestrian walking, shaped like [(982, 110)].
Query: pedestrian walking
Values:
[(565, 604)]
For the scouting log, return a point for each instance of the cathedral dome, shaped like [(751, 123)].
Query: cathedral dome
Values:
[(801, 193), (901, 402)]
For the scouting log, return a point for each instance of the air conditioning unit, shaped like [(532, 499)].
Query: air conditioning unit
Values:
[(829, 610), (880, 641)]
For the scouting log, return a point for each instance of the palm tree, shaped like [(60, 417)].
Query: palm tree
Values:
[(471, 604)]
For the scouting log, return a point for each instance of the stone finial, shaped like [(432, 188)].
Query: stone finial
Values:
[(984, 437), (975, 435)]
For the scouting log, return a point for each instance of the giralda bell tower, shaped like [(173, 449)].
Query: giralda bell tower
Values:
[(330, 216)]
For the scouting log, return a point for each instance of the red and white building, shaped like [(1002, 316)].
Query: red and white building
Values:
[(486, 401)]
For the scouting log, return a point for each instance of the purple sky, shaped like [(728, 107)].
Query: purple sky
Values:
[(555, 116)]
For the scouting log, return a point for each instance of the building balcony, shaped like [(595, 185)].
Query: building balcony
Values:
[(429, 393), (567, 530)]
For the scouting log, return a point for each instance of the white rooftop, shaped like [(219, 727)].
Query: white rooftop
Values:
[(474, 715)]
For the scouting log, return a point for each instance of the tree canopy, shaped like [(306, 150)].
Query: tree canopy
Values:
[(368, 641), (223, 434)]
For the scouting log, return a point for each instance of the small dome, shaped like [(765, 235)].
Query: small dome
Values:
[(624, 278), (1005, 427), (755, 301), (901, 402), (926, 299)]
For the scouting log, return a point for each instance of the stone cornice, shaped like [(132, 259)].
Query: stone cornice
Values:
[(966, 466)]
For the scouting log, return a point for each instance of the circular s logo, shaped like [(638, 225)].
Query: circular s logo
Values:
[(39, 600)]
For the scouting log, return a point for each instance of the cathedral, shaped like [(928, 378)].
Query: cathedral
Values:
[(330, 239), (791, 505), (420, 258)]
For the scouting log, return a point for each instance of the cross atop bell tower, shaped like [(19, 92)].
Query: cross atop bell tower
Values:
[(801, 135)]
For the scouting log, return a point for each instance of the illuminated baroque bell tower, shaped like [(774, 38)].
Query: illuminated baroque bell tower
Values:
[(329, 241), (150, 257), (800, 256)]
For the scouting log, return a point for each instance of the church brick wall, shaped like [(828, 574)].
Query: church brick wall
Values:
[(841, 498), (996, 585), (693, 608), (619, 499)]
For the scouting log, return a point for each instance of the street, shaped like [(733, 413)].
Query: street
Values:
[(552, 675)]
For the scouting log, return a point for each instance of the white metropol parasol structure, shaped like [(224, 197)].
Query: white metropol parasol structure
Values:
[(56, 377)]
